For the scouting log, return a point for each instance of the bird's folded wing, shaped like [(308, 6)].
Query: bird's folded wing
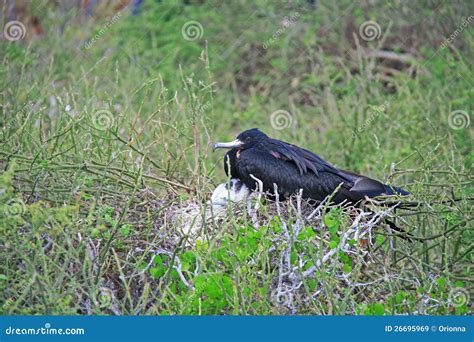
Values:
[(305, 160), (358, 185)]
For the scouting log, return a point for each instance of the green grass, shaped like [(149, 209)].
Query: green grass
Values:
[(106, 156)]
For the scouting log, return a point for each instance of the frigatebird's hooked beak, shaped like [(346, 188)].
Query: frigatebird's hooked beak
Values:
[(233, 144)]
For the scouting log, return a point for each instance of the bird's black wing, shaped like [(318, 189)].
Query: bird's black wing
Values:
[(304, 160), (256, 164), (307, 161)]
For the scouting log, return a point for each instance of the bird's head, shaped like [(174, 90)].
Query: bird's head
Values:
[(244, 140)]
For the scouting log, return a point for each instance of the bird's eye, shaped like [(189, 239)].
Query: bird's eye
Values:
[(248, 139)]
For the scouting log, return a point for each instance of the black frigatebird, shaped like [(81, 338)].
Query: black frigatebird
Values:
[(255, 155)]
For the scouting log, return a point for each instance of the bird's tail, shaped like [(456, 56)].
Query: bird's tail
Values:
[(368, 187)]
